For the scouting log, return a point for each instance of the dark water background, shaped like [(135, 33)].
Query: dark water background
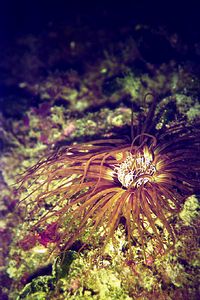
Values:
[(32, 16)]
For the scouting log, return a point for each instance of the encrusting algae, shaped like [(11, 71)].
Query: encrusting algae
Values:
[(88, 189)]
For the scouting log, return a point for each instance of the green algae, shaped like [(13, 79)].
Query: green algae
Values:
[(91, 275), (190, 210)]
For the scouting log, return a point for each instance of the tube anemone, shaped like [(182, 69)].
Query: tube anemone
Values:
[(93, 186)]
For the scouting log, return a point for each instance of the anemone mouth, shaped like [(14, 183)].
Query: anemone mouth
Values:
[(136, 169)]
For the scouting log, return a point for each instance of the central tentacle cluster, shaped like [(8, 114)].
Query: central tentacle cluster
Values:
[(137, 169)]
